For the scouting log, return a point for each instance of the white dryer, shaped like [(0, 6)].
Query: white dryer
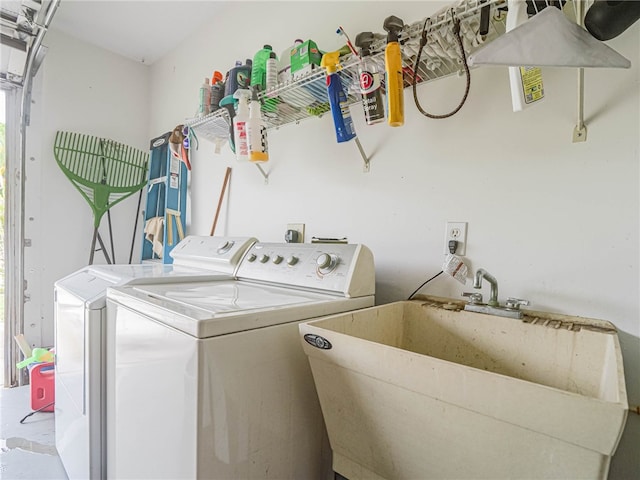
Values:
[(208, 379), (80, 315)]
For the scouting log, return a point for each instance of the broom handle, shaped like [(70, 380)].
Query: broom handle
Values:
[(224, 189), (93, 245), (135, 225), (103, 248), (113, 252)]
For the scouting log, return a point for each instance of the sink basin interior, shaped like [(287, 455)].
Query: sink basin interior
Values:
[(581, 361), (424, 389)]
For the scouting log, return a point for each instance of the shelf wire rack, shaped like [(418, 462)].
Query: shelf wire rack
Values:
[(306, 96)]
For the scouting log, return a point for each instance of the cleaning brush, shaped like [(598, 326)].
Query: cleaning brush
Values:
[(340, 31)]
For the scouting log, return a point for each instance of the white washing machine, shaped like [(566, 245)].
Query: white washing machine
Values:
[(209, 380), (80, 316)]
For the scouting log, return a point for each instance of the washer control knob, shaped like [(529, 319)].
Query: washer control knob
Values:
[(292, 260), (264, 258), (326, 263), (277, 259), (251, 258), (225, 246)]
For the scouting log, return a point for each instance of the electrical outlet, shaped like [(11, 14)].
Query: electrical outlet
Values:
[(456, 231), (296, 227)]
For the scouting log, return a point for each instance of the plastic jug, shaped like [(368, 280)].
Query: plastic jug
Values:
[(238, 77), (259, 67)]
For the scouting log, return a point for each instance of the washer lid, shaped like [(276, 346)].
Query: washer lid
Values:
[(206, 309), (89, 284)]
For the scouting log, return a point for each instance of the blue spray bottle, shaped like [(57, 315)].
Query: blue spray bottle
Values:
[(337, 98)]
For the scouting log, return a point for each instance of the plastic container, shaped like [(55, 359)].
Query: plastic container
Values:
[(259, 67), (342, 121), (271, 76), (525, 82), (370, 81), (240, 124), (204, 104), (217, 90), (257, 132), (43, 391), (393, 72), (284, 64), (238, 77)]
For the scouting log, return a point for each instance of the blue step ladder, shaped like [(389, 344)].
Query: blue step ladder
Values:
[(165, 208)]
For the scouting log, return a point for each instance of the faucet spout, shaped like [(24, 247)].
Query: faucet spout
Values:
[(477, 283)]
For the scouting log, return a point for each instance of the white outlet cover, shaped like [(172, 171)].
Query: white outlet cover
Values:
[(456, 231)]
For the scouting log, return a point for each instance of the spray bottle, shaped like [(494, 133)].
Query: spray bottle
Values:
[(240, 124), (393, 70), (342, 121), (257, 131), (369, 80)]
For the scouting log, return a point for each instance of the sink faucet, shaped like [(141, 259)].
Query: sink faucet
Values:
[(492, 307), (477, 283)]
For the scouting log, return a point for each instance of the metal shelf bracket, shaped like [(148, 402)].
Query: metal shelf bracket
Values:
[(367, 162), (264, 174), (580, 130)]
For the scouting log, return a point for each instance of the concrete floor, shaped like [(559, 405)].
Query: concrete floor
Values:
[(27, 451)]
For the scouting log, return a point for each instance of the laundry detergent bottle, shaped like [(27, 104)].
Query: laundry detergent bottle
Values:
[(393, 72), (240, 121), (259, 67), (342, 121)]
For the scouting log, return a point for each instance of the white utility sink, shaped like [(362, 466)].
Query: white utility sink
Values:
[(424, 389)]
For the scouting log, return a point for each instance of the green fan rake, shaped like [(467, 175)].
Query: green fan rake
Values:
[(105, 172)]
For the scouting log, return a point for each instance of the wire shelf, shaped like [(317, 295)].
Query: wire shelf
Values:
[(306, 97)]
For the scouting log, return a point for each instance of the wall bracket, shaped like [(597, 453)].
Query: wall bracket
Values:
[(264, 174), (367, 161)]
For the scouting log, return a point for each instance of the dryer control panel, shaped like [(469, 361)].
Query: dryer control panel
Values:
[(347, 269), (211, 253)]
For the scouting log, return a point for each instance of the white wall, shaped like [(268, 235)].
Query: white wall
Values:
[(81, 89), (557, 223)]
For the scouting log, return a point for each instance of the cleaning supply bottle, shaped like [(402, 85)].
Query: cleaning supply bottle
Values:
[(240, 124), (204, 104), (257, 131), (217, 90), (342, 121), (259, 67), (525, 82), (393, 72), (370, 84), (271, 77), (238, 77), (284, 64)]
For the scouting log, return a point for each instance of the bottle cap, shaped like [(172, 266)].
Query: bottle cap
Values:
[(216, 77)]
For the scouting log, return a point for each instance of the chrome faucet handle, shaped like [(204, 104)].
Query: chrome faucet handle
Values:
[(473, 297), (515, 303)]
